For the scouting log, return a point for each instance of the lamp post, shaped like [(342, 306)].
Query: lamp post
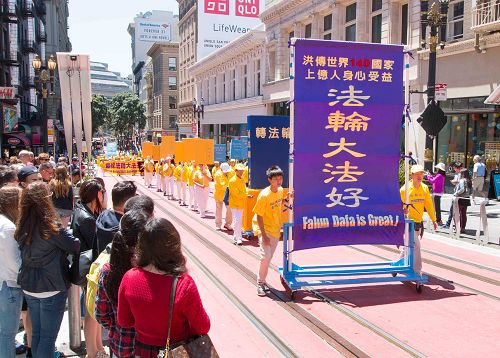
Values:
[(436, 19), (199, 112), (44, 76)]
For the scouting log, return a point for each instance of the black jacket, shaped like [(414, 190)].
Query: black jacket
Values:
[(45, 265), (83, 225), (107, 224)]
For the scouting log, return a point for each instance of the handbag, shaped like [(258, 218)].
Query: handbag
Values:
[(80, 267), (198, 346)]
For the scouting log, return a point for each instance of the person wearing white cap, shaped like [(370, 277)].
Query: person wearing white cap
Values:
[(159, 175), (419, 200), (168, 172), (202, 181), (437, 181), (237, 201), (221, 179)]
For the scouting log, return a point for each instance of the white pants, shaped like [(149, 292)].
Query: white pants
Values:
[(266, 255), (238, 223), (170, 186), (203, 199), (192, 199), (158, 181), (218, 214), (163, 183), (148, 178), (178, 185), (183, 191)]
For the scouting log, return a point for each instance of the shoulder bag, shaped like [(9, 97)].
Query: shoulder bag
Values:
[(198, 346)]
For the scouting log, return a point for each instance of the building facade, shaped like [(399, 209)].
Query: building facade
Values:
[(165, 92), (105, 82)]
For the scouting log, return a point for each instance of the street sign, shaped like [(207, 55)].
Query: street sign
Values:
[(7, 93), (441, 91)]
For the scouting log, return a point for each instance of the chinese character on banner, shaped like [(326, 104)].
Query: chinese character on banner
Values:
[(220, 7), (247, 8)]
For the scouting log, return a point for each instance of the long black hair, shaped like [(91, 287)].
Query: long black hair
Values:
[(122, 250), (464, 173)]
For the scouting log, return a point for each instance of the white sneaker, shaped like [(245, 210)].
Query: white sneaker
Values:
[(218, 227), (238, 242)]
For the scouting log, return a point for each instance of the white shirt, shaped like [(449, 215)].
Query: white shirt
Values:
[(10, 255)]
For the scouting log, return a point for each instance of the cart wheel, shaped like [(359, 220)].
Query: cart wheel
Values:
[(292, 295), (288, 290), (419, 286), (394, 274)]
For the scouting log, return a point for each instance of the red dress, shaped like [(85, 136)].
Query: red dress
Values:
[(143, 303)]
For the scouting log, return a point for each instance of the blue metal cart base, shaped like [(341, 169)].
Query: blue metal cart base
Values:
[(294, 277)]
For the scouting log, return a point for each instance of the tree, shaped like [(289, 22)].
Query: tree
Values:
[(100, 112), (127, 111)]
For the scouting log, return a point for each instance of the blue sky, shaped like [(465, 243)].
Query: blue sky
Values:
[(99, 28)]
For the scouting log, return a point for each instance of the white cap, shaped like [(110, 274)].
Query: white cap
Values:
[(441, 166), (225, 167)]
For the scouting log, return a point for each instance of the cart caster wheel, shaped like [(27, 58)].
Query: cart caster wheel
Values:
[(293, 295), (394, 274), (419, 286)]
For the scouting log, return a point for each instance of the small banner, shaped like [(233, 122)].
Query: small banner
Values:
[(347, 121), (120, 167), (220, 152)]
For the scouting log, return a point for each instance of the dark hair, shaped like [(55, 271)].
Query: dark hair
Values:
[(274, 171), (122, 191), (75, 172), (457, 165), (89, 191), (142, 203), (7, 175), (36, 212), (464, 173), (9, 202), (61, 184), (442, 172), (122, 250), (160, 245), (101, 181)]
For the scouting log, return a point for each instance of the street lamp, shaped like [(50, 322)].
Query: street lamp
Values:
[(199, 112), (43, 78)]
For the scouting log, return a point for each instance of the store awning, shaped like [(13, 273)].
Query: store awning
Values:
[(494, 97), (16, 139)]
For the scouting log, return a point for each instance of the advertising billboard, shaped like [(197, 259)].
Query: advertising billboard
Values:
[(221, 21), (153, 31)]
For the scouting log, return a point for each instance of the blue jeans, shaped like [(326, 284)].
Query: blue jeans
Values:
[(46, 317), (11, 300)]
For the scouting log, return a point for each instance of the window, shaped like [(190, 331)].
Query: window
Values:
[(456, 24), (350, 22), (223, 87), (376, 5), (172, 83), (172, 121), (377, 21), (404, 24), (172, 102), (257, 78), (233, 85), (245, 82), (308, 31), (327, 27), (172, 64)]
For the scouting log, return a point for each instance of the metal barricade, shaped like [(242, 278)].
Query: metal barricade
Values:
[(74, 317)]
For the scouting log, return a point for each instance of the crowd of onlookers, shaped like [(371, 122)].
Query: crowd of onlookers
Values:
[(50, 212)]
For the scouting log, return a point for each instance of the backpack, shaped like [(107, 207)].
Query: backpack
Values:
[(93, 279)]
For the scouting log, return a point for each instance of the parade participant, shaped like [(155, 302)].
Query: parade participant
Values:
[(27, 175), (184, 186), (419, 198), (44, 272), (215, 168), (144, 293), (178, 181), (478, 177), (121, 340), (245, 174), (437, 181), (46, 171), (237, 198), (192, 197), (232, 170), (159, 175), (8, 176), (11, 296), (221, 183), (267, 223), (202, 182), (62, 194), (462, 194), (148, 171), (169, 177)]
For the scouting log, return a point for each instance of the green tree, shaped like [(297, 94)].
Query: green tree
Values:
[(100, 112), (127, 111)]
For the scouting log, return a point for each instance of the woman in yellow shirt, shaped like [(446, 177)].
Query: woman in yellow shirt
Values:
[(237, 199), (221, 183), (168, 172), (184, 183), (149, 166), (159, 175), (202, 181), (178, 182)]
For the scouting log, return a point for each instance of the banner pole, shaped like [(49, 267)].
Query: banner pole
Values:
[(407, 143)]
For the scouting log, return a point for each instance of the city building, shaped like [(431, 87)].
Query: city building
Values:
[(164, 60), (107, 83)]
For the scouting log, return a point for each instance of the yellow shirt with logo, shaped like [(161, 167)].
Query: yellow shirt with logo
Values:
[(185, 174), (237, 193), (245, 175), (177, 172), (168, 170), (221, 183), (192, 172), (214, 171), (159, 168), (269, 206), (231, 172), (420, 199), (149, 166)]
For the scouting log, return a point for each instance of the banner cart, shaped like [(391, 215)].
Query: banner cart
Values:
[(347, 102)]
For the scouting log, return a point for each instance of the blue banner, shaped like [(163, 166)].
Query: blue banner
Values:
[(237, 151), (220, 153), (347, 119), (269, 145)]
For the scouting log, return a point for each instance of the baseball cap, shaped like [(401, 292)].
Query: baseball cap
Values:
[(225, 167), (25, 172), (417, 169), (239, 167)]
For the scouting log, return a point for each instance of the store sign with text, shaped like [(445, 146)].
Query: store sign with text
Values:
[(153, 31)]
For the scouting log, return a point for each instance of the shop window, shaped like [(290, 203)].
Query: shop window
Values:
[(456, 20), (327, 27), (350, 22)]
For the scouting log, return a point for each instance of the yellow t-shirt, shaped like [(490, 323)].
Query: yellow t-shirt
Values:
[(269, 206), (420, 199), (177, 172), (168, 170), (185, 174), (215, 170), (231, 172), (192, 172), (245, 175), (237, 193), (159, 168), (221, 183), (198, 177), (149, 166)]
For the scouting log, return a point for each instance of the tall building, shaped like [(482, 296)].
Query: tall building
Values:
[(164, 60), (107, 83)]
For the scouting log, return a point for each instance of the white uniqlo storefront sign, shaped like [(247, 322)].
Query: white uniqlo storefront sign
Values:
[(441, 92)]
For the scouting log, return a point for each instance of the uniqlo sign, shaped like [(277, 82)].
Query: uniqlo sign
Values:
[(247, 8), (219, 7)]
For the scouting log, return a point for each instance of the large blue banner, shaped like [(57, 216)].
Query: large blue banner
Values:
[(220, 153), (269, 145), (348, 107)]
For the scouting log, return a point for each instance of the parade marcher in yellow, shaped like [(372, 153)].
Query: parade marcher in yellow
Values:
[(419, 200), (215, 168), (202, 181), (149, 166), (237, 198), (168, 172), (184, 183), (159, 175), (232, 171), (178, 182), (245, 174), (221, 183), (192, 197)]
